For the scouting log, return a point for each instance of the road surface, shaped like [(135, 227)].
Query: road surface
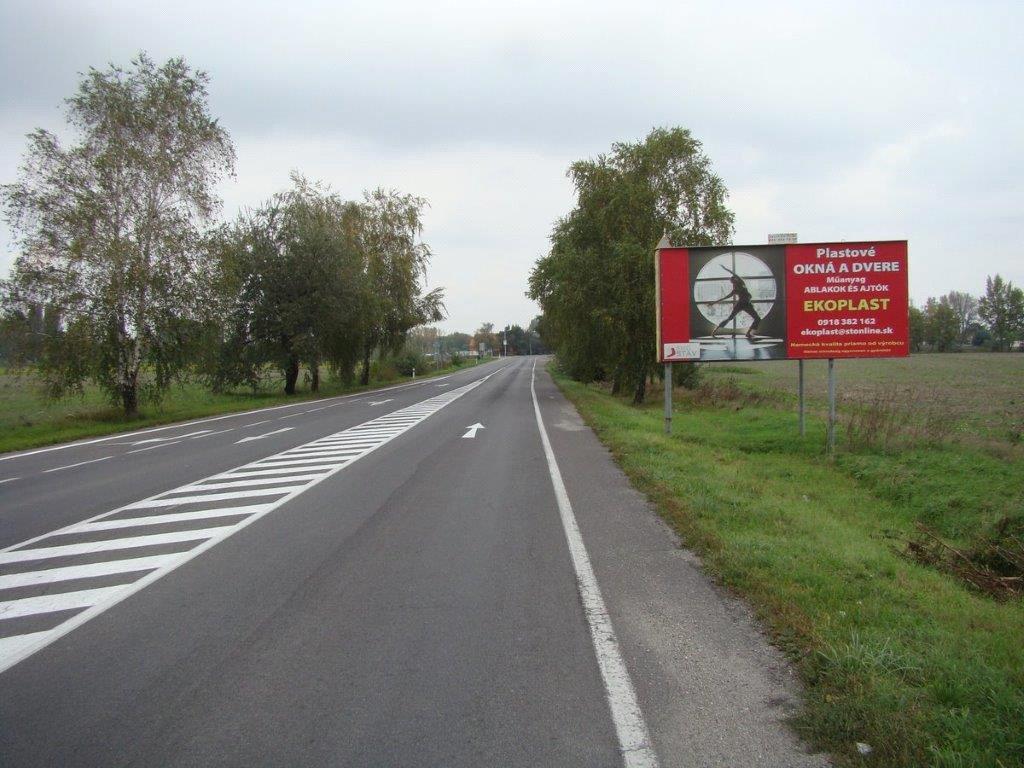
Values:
[(451, 572)]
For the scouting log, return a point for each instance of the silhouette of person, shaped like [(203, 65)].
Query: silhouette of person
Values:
[(743, 304)]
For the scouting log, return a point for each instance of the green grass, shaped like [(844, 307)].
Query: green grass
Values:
[(893, 653), (28, 420)]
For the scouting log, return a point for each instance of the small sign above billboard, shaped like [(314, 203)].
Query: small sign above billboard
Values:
[(782, 238)]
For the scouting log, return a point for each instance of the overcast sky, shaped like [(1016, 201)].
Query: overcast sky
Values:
[(863, 121)]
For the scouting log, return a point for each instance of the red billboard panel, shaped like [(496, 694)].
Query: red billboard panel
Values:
[(775, 302)]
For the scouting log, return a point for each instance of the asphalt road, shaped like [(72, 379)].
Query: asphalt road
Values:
[(357, 581)]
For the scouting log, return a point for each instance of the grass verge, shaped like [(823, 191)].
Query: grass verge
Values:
[(29, 421), (893, 653)]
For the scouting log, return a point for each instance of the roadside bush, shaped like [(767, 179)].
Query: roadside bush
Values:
[(383, 370), (687, 375), (407, 362)]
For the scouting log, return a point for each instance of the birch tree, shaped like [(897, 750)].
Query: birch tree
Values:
[(109, 226)]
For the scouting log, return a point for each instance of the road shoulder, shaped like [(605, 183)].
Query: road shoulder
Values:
[(713, 690)]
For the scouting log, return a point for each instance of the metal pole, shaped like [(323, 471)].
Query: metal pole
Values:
[(831, 406), (668, 398), (800, 393)]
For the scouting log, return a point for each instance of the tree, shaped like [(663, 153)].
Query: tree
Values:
[(486, 339), (1002, 310), (941, 328), (965, 310), (596, 286), (516, 340), (388, 229), (917, 323), (455, 342), (295, 283), (109, 227), (534, 337)]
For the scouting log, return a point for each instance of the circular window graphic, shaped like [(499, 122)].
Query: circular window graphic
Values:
[(715, 282)]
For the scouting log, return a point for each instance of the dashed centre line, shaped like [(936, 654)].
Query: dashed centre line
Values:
[(77, 464), (153, 447)]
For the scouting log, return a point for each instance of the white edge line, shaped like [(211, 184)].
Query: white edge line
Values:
[(634, 738), (79, 619), (120, 435)]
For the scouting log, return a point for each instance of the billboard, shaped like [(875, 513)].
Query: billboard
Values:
[(777, 302)]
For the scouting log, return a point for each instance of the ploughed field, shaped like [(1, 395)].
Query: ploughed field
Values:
[(976, 397)]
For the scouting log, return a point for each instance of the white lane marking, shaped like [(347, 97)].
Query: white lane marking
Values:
[(173, 437), (9, 480), (205, 419), (353, 441), (325, 453), (173, 517), (16, 644), (15, 651), (471, 433), (380, 402), (259, 471), (211, 434), (60, 601), (326, 447), (249, 482), (265, 434), (107, 545), (630, 727), (255, 423), (79, 464), (89, 570), (302, 463), (154, 447), (204, 497), (290, 415)]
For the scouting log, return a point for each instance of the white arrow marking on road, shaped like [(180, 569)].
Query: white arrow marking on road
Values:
[(175, 437), (260, 437), (472, 430), (381, 402)]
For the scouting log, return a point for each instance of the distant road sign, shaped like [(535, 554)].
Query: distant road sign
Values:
[(780, 238)]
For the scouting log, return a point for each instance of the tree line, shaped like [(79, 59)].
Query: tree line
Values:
[(993, 321), (125, 279), (428, 344)]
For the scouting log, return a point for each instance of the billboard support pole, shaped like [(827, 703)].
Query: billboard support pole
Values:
[(668, 398), (831, 407), (800, 395)]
